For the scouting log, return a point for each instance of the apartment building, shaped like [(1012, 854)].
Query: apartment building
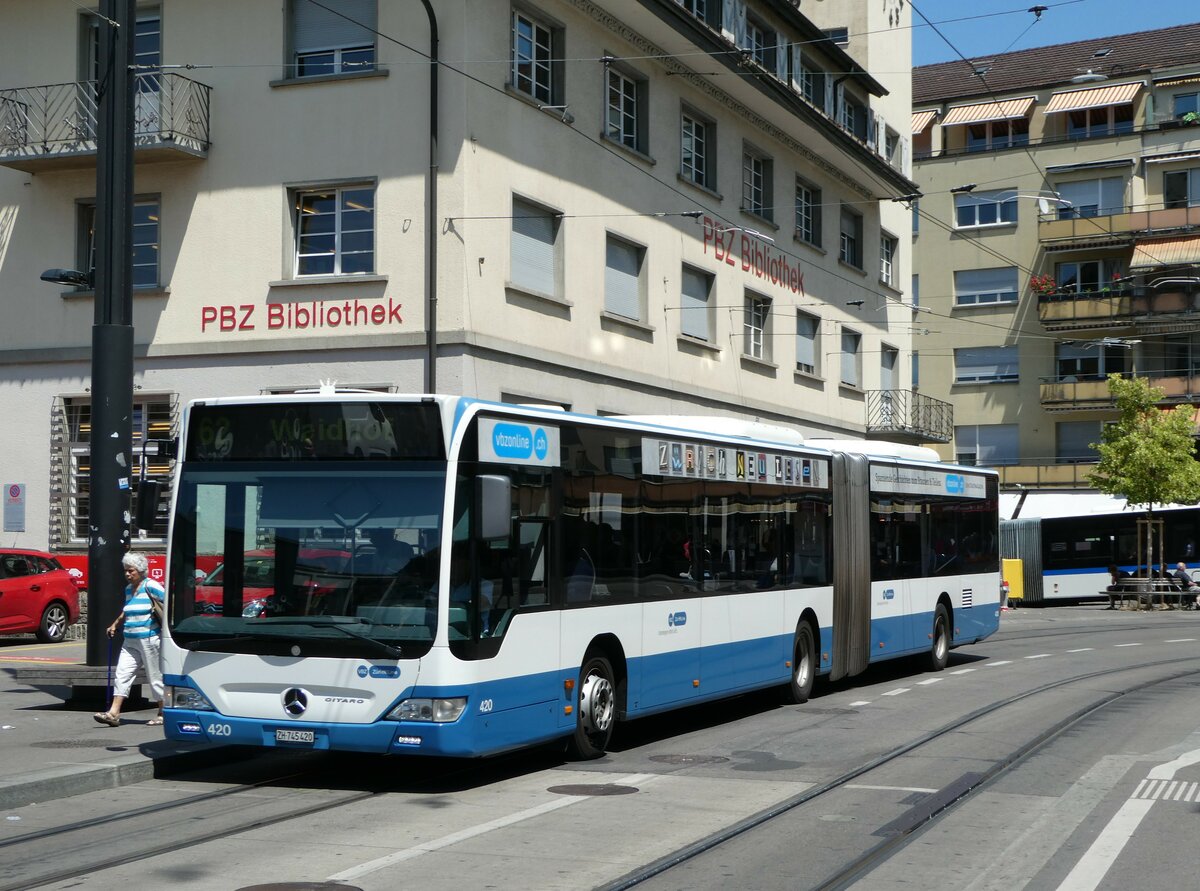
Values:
[(640, 206), (1057, 241)]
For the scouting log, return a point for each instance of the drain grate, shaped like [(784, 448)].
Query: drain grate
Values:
[(688, 759), (88, 743), (596, 789)]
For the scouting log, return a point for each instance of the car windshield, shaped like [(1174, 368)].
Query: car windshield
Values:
[(334, 559)]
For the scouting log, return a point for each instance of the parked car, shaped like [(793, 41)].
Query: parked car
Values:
[(36, 594), (258, 589)]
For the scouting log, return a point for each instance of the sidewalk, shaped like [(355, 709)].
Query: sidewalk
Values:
[(51, 748)]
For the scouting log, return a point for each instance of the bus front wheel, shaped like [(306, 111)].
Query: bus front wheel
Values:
[(804, 671), (597, 709), (939, 653)]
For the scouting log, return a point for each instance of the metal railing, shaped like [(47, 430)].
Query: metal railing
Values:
[(61, 119), (1117, 221), (1107, 305), (909, 414), (1056, 475)]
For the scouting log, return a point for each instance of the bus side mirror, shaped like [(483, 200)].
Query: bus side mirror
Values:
[(494, 507), (147, 504)]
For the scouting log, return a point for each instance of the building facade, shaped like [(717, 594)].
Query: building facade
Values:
[(617, 206), (1057, 241)]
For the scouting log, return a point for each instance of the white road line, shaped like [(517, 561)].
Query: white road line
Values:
[(891, 788), (1081, 650), (1001, 662), (1092, 867), (860, 702), (896, 692), (928, 682), (437, 844), (1128, 645), (1040, 656), (1181, 640), (963, 671)]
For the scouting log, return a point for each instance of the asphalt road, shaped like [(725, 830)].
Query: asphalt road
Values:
[(1042, 758)]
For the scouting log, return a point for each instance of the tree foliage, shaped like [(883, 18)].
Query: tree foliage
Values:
[(1148, 454)]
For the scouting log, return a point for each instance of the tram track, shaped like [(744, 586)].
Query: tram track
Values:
[(858, 867)]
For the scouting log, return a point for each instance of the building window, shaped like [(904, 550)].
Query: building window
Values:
[(535, 248), (695, 307), (1181, 188), (808, 347), (891, 147), (757, 184), (536, 70), (1086, 275), (145, 246), (990, 365), (335, 231), (888, 246), (324, 42), (756, 327), (997, 208), (850, 238), (915, 296), (625, 120), (989, 445), (154, 417), (975, 287), (916, 370), (760, 44), (991, 135), (707, 11), (1074, 441), (1087, 123), (889, 361), (1185, 103), (812, 84), (1089, 361), (697, 150), (1092, 197), (840, 36), (916, 216), (808, 213), (624, 284), (855, 116), (851, 371)]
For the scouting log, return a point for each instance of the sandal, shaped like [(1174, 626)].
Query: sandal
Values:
[(106, 718), (154, 722)]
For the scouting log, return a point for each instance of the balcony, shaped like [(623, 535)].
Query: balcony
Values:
[(907, 416), (1148, 310), (1085, 231), (54, 127), (1045, 476), (1091, 391)]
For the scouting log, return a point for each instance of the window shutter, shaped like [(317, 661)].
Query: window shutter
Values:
[(621, 292), (806, 340), (997, 444), (850, 359), (887, 370), (781, 56), (533, 255), (693, 305), (314, 28), (733, 21), (797, 67), (985, 363)]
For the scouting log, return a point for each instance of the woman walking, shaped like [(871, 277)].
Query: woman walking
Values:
[(141, 639)]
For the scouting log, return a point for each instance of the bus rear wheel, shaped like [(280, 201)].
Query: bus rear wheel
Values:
[(939, 653), (804, 666), (597, 709)]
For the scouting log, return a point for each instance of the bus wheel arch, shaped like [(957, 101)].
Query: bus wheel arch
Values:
[(805, 660), (941, 634), (600, 699)]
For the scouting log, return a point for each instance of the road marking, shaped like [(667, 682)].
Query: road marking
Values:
[(1001, 662), (963, 671), (40, 660), (1082, 650), (860, 702), (892, 788), (928, 682), (1182, 640), (1128, 645), (453, 838), (1040, 656), (896, 692)]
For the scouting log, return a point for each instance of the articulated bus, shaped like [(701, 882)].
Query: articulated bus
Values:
[(443, 576)]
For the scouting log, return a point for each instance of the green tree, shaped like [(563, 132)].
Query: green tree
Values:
[(1148, 454)]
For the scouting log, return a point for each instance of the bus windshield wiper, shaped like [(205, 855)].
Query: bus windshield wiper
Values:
[(339, 623)]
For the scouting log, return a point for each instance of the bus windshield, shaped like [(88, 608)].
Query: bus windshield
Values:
[(307, 557)]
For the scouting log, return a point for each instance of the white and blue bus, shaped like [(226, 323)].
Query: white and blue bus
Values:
[(444, 576)]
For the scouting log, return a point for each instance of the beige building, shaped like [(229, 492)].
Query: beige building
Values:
[(1059, 241), (659, 206)]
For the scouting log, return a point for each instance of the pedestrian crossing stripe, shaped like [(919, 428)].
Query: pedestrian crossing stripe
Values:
[(1166, 790)]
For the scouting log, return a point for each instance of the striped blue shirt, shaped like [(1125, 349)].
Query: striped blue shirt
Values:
[(139, 617)]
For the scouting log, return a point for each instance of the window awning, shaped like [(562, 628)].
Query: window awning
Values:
[(921, 120), (1151, 253), (1093, 97), (982, 112), (1171, 156)]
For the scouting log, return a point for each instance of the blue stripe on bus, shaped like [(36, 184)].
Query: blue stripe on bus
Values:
[(656, 683)]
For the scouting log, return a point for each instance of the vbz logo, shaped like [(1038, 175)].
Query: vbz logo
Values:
[(676, 620)]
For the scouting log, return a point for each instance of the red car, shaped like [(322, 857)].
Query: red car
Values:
[(259, 575), (36, 594)]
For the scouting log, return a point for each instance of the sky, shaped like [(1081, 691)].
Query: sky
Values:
[(1063, 21)]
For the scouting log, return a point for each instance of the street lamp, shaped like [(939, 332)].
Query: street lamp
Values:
[(72, 277)]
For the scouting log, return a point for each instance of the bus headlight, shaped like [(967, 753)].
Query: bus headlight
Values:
[(434, 711), (186, 697)]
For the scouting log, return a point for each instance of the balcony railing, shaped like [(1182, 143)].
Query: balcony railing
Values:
[(1123, 224), (55, 126), (1091, 391), (1046, 476), (908, 416), (1124, 306)]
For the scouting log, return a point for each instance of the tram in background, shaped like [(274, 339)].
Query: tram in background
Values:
[(1067, 541), (503, 576)]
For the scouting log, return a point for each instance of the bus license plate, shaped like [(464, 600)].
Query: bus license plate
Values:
[(294, 736)]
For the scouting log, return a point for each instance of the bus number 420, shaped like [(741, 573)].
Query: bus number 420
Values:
[(219, 730), (485, 706)]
